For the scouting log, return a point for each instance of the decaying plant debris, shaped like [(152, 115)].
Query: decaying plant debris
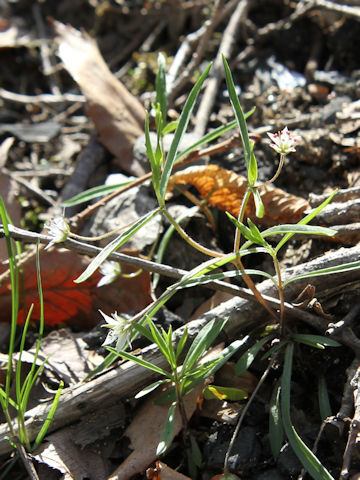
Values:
[(74, 91)]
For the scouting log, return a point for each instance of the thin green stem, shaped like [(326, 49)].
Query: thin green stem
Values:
[(244, 202), (100, 237), (179, 398), (189, 240), (278, 171), (238, 262), (280, 287)]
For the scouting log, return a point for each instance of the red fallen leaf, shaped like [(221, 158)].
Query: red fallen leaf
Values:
[(68, 303)]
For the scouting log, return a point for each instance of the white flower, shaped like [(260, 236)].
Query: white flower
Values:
[(120, 330), (111, 270), (283, 142), (59, 230)]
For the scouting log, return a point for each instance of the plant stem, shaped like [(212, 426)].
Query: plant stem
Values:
[(184, 420), (278, 171), (244, 202), (238, 262), (280, 287), (189, 240)]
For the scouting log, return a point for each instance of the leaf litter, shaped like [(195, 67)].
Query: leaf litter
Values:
[(304, 175)]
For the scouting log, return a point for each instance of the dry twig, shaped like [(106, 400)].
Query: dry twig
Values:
[(230, 35)]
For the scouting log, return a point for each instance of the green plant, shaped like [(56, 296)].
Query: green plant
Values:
[(254, 242), (183, 376), (19, 404)]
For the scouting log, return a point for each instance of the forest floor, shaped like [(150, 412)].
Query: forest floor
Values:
[(75, 80)]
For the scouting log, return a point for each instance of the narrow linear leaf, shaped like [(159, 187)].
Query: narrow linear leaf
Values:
[(213, 366), (114, 245), (168, 432), (224, 393), (195, 452), (160, 85), (239, 114), (213, 135), (154, 163), (253, 169), (139, 361), (204, 279), (276, 431), (324, 402), (49, 418), (245, 231), (94, 192), (166, 397), (306, 220), (259, 206), (309, 461), (170, 127), (160, 342), (346, 267), (255, 231), (183, 123), (150, 388), (201, 342), (317, 341), (297, 228), (249, 356)]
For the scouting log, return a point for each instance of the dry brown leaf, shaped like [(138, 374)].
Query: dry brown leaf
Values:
[(225, 189), (150, 419), (118, 116), (60, 452), (67, 356)]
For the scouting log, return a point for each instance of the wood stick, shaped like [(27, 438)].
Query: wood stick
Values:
[(128, 378)]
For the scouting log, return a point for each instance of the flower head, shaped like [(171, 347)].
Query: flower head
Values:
[(283, 142), (110, 271), (120, 330), (59, 230)]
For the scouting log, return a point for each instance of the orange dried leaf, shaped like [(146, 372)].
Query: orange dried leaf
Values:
[(225, 189)]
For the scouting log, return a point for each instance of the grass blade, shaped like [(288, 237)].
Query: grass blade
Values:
[(114, 245), (316, 341), (201, 342), (168, 432), (324, 402), (306, 220), (346, 267), (49, 418), (299, 228), (239, 115), (309, 461), (249, 356), (160, 85), (92, 193), (140, 361), (213, 135), (276, 431), (150, 388), (183, 123)]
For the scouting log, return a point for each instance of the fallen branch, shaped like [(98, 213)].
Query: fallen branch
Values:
[(128, 378)]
